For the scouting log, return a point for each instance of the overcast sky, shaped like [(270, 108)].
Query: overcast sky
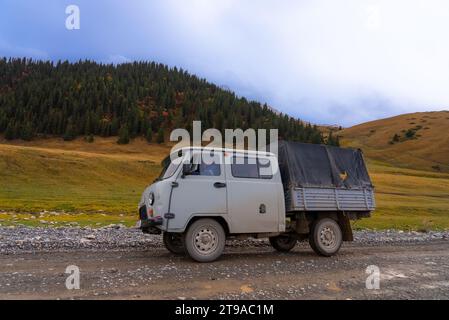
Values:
[(329, 62)]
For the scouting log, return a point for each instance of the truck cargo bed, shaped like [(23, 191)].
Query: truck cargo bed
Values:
[(329, 199), (324, 178)]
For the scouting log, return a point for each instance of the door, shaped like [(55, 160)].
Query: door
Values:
[(201, 193), (252, 195)]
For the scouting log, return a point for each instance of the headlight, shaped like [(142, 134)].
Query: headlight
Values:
[(151, 198)]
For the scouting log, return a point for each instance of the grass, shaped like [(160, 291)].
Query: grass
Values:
[(408, 199), (427, 149), (100, 183), (77, 177), (56, 219), (411, 175)]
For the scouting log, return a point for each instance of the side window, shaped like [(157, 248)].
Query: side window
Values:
[(244, 168), (210, 169), (206, 169)]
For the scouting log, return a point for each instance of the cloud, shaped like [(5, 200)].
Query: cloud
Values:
[(324, 61), (358, 60)]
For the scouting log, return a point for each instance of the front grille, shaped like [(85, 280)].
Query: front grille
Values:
[(143, 213)]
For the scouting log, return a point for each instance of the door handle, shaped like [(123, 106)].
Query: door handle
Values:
[(220, 185)]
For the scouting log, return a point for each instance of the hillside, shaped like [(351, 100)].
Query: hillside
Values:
[(101, 182), (410, 170), (141, 99), (76, 176), (415, 140)]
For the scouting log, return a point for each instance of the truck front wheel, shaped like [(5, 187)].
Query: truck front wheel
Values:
[(283, 243), (205, 240), (173, 242), (325, 237)]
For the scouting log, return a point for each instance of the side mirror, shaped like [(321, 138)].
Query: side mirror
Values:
[(186, 169)]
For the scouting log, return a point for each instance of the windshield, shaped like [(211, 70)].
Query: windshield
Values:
[(168, 168)]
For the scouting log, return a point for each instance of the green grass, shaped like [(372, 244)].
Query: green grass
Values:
[(33, 180), (101, 183), (56, 219), (408, 199)]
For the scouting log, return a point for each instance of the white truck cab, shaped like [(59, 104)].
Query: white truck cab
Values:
[(198, 203)]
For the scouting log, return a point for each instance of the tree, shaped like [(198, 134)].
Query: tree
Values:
[(68, 99), (410, 133), (160, 136), (333, 140), (69, 133), (149, 135), (337, 141), (27, 132), (10, 132), (330, 139), (395, 138), (123, 135)]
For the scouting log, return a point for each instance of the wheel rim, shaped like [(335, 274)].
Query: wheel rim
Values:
[(205, 240), (328, 237)]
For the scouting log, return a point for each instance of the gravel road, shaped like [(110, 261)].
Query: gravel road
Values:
[(122, 263)]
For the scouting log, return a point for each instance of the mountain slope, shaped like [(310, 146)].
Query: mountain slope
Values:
[(41, 98), (416, 140), (408, 161)]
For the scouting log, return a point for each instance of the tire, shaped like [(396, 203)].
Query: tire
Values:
[(283, 243), (205, 240), (173, 242), (325, 237)]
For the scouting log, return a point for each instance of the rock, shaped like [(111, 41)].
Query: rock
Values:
[(85, 241), (119, 237)]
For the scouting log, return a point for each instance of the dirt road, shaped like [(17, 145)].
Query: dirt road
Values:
[(407, 271)]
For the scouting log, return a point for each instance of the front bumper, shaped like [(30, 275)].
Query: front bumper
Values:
[(149, 224)]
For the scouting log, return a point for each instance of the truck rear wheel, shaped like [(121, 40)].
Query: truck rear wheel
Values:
[(283, 243), (173, 242), (325, 237), (205, 240)]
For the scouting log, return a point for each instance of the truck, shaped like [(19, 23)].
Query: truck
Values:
[(304, 192)]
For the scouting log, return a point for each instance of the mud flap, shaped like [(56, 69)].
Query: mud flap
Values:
[(302, 225), (345, 225)]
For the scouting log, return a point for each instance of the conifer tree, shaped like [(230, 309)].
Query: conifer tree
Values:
[(85, 98), (10, 133), (149, 135), (70, 132), (123, 135), (27, 132), (160, 136)]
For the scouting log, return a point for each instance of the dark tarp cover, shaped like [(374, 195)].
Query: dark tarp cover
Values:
[(312, 165)]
